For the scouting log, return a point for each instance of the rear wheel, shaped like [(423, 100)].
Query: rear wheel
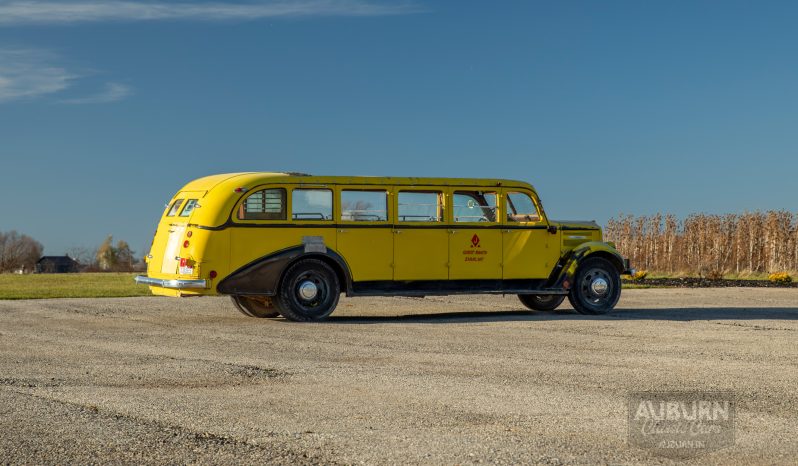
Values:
[(541, 302), (309, 291), (255, 306), (596, 288)]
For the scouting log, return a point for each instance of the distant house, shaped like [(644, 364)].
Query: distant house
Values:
[(57, 264)]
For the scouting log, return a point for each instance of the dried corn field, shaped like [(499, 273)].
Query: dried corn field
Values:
[(709, 245)]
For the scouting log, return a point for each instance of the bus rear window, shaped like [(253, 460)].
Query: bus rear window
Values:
[(190, 205), (267, 204), (175, 208)]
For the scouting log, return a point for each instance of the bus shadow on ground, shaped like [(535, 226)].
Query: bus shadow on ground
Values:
[(670, 314)]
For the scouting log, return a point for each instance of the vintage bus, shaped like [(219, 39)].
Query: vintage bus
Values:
[(289, 244)]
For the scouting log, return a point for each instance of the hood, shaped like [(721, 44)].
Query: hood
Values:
[(577, 224), (575, 233)]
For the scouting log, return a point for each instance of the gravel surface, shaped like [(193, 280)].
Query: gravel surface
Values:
[(454, 380)]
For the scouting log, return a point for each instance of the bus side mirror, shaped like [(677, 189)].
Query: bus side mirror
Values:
[(552, 229)]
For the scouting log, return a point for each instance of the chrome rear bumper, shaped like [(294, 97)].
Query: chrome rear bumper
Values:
[(176, 284)]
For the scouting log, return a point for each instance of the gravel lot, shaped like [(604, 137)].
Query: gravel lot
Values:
[(465, 379)]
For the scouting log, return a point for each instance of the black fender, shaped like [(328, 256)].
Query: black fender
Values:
[(563, 274), (262, 276)]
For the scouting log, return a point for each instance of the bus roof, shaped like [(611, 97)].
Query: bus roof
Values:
[(218, 194), (252, 179)]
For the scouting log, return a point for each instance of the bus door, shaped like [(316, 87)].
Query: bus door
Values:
[(421, 239), (475, 243), (365, 234), (530, 251)]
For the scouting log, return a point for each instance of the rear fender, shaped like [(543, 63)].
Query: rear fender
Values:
[(262, 276)]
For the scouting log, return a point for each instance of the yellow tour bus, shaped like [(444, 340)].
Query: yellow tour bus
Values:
[(289, 244)]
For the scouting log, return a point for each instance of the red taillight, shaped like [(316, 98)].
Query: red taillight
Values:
[(212, 274), (240, 190), (185, 243)]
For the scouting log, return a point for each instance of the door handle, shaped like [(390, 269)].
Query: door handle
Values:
[(396, 232)]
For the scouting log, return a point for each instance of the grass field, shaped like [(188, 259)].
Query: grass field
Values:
[(70, 285)]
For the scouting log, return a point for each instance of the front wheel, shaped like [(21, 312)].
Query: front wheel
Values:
[(309, 291), (596, 288), (255, 306), (541, 302)]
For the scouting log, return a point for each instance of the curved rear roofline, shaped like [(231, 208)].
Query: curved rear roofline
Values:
[(252, 179)]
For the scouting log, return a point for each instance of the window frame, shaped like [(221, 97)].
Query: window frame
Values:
[(175, 207), (194, 203), (290, 204), (442, 204), (339, 211), (507, 201), (240, 203), (483, 189), (542, 220)]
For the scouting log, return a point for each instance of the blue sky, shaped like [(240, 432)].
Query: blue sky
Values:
[(107, 108)]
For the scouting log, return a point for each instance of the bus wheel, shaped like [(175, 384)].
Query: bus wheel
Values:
[(255, 306), (597, 287), (309, 291), (541, 302)]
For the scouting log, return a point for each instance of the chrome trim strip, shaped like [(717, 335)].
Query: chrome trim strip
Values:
[(176, 284)]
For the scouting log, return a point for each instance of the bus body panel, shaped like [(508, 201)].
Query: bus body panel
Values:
[(421, 236), (529, 252), (421, 253), (475, 253), (368, 251), (372, 255)]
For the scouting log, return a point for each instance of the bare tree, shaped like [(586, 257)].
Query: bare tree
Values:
[(87, 258), (124, 256), (18, 252)]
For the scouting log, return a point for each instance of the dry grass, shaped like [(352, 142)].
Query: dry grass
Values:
[(745, 246)]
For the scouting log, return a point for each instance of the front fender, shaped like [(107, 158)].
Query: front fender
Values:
[(564, 272)]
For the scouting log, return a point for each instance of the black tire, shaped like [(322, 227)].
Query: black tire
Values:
[(255, 306), (586, 294), (541, 302), (306, 277)]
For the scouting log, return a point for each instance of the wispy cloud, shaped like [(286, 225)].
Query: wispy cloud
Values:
[(26, 73), (14, 13), (112, 92)]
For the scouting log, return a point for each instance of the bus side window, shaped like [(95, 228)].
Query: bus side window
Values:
[(520, 208), (474, 206), (311, 204), (420, 206), (364, 206), (266, 204)]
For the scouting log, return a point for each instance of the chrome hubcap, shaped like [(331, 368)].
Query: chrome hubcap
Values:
[(308, 290), (599, 286)]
